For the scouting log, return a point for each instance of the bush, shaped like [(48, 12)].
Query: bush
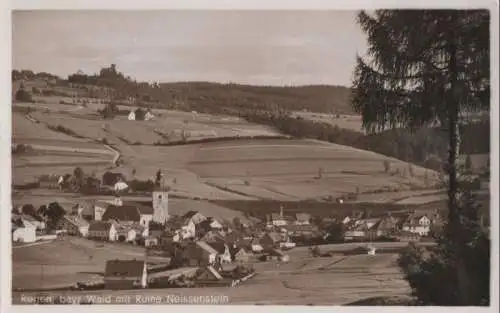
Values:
[(23, 96), (142, 186), (434, 277)]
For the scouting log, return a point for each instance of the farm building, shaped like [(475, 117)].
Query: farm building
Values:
[(125, 274), (103, 231), (75, 225), (23, 231)]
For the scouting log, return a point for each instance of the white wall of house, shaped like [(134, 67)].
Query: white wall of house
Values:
[(279, 222), (188, 231), (98, 213), (24, 234), (257, 248), (145, 219), (84, 230)]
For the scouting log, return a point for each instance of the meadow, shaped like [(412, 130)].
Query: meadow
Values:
[(303, 280), (63, 262)]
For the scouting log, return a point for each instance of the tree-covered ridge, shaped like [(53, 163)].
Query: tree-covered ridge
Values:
[(204, 97)]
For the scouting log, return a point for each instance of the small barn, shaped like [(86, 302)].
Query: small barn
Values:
[(125, 274)]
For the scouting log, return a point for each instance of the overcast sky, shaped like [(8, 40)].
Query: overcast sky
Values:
[(254, 47)]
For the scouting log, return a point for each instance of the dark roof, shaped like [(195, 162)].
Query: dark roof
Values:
[(204, 225), (100, 226), (128, 268), (189, 214), (122, 213), (143, 209), (218, 246)]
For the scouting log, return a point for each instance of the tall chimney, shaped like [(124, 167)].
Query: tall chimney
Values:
[(281, 211)]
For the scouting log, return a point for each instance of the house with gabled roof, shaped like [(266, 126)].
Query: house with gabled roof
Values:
[(101, 230), (23, 231), (416, 223), (223, 252), (125, 274)]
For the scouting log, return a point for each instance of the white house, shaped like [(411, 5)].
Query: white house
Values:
[(131, 116), (187, 230), (103, 231), (23, 231), (215, 224), (148, 116), (120, 186), (418, 225)]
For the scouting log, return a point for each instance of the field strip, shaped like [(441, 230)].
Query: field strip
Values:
[(71, 149), (109, 148), (32, 244), (271, 146)]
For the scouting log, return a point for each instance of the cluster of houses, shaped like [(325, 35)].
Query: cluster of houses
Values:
[(405, 226)]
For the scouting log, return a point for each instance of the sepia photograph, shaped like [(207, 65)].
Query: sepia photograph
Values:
[(252, 157)]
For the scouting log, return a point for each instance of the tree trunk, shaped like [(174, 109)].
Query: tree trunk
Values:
[(453, 155)]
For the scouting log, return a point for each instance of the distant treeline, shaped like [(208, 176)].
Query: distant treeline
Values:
[(426, 147)]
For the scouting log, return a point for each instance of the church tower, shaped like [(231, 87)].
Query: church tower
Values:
[(160, 203), (160, 206)]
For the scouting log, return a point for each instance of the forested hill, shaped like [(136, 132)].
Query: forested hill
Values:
[(204, 97)]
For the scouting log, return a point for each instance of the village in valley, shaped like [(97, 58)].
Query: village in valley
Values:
[(195, 251), (127, 190)]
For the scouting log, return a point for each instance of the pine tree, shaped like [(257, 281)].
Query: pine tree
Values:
[(426, 66)]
